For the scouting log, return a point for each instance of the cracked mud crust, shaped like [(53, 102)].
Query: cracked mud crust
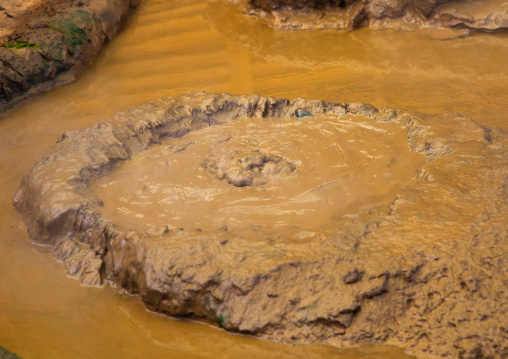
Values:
[(47, 43), (461, 16), (426, 271)]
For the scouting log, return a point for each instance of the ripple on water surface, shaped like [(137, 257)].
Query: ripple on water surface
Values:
[(160, 53)]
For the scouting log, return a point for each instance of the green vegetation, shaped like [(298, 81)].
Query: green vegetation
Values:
[(20, 45), (73, 26), (78, 35), (222, 320), (56, 29), (74, 35)]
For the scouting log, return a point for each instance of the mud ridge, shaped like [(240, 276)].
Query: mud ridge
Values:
[(442, 295), (463, 15)]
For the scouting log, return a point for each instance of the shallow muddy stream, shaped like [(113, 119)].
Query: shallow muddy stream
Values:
[(171, 47)]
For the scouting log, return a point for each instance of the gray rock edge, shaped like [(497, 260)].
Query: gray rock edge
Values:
[(5, 354)]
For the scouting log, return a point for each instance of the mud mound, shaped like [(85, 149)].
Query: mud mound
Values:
[(419, 265), (487, 15), (47, 43), (252, 169)]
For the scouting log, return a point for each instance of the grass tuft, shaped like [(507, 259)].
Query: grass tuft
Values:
[(56, 29), (20, 45)]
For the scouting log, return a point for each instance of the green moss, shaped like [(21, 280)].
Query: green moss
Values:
[(73, 26), (222, 320), (78, 34), (20, 45), (56, 29), (74, 36)]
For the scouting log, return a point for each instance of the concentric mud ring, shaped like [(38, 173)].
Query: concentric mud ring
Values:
[(369, 280)]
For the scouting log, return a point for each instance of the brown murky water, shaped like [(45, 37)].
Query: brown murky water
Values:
[(171, 47)]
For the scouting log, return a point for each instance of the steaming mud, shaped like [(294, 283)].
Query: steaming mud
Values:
[(262, 176)]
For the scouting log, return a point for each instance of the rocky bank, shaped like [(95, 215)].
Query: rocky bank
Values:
[(427, 271), (5, 354), (476, 15), (48, 43)]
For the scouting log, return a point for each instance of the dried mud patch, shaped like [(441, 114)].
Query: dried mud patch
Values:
[(424, 270)]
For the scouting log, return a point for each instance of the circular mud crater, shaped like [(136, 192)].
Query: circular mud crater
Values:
[(353, 226), (261, 177)]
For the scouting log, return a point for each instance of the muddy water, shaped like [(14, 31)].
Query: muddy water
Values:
[(171, 47), (262, 176)]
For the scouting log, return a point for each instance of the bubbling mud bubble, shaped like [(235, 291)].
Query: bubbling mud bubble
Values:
[(251, 169), (264, 176)]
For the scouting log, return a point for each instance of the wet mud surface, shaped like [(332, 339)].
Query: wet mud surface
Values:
[(381, 269), (48, 43), (264, 177), (160, 53), (461, 15)]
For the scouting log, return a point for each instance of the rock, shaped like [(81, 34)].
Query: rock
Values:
[(380, 8), (424, 271), (5, 354), (487, 15), (301, 112), (47, 43), (353, 276)]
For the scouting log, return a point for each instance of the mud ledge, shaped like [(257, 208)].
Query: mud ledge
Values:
[(356, 284), (461, 15), (48, 43)]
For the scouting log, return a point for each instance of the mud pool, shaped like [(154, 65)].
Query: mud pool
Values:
[(328, 163), (169, 48)]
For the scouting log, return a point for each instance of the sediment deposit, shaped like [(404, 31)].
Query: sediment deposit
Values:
[(47, 43), (420, 265), (484, 15)]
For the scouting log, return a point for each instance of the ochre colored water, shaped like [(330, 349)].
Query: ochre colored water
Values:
[(168, 48), (332, 167)]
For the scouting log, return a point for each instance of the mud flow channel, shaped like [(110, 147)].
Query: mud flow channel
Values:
[(261, 176)]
